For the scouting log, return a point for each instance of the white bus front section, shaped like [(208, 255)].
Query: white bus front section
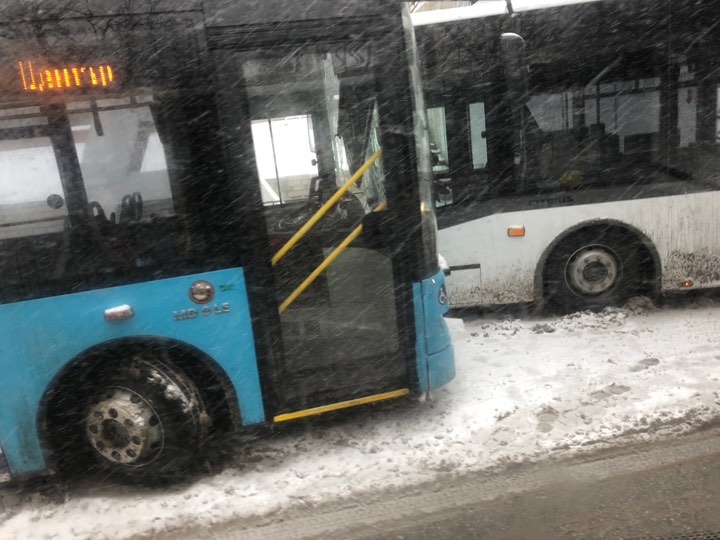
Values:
[(490, 267)]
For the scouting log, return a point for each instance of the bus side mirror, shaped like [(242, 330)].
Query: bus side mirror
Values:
[(512, 47)]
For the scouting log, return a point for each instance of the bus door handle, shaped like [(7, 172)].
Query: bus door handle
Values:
[(119, 313)]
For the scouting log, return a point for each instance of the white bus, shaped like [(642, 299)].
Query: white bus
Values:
[(581, 167)]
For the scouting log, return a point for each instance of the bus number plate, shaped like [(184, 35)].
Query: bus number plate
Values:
[(205, 311)]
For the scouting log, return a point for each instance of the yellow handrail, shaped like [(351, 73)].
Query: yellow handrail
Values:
[(323, 265), (324, 208)]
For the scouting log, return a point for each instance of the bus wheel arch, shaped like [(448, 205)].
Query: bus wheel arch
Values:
[(182, 367), (603, 242)]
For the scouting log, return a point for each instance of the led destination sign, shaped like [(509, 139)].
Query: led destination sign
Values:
[(58, 78)]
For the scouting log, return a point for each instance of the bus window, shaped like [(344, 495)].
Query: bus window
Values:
[(343, 122), (478, 136), (575, 137), (284, 178), (687, 116), (552, 112), (120, 154), (438, 139), (717, 120), (687, 100), (373, 180), (628, 110), (28, 177), (696, 156), (33, 213)]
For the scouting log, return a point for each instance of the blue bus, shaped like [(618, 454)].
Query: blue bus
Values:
[(213, 215)]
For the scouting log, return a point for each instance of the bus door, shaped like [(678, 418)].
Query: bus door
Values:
[(316, 121)]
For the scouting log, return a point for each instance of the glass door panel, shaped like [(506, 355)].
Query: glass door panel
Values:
[(315, 122)]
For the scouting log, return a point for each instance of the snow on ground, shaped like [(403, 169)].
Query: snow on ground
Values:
[(525, 389)]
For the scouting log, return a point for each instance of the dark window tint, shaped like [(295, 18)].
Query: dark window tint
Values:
[(103, 193)]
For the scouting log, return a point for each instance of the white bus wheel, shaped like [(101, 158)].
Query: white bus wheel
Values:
[(592, 270)]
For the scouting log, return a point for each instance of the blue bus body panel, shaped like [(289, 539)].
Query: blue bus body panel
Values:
[(41, 336), (435, 357)]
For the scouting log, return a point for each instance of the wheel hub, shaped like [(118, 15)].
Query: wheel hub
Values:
[(115, 433), (592, 271), (124, 428)]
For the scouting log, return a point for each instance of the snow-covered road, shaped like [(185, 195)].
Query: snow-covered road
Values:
[(525, 389)]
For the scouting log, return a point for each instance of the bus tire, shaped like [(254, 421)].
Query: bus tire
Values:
[(592, 270), (145, 422)]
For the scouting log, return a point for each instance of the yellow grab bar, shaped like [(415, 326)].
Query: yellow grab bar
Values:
[(325, 207), (323, 265)]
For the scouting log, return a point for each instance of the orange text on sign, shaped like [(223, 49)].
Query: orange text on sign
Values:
[(36, 79)]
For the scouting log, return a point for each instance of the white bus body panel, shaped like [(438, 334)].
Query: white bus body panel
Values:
[(683, 229)]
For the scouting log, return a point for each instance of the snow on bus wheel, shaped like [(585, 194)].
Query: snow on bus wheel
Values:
[(592, 269), (145, 422)]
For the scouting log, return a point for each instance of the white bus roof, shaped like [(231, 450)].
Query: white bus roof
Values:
[(487, 9), (479, 9)]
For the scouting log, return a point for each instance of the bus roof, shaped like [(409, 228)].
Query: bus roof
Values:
[(252, 12), (218, 12), (13, 11), (477, 10), (487, 9)]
